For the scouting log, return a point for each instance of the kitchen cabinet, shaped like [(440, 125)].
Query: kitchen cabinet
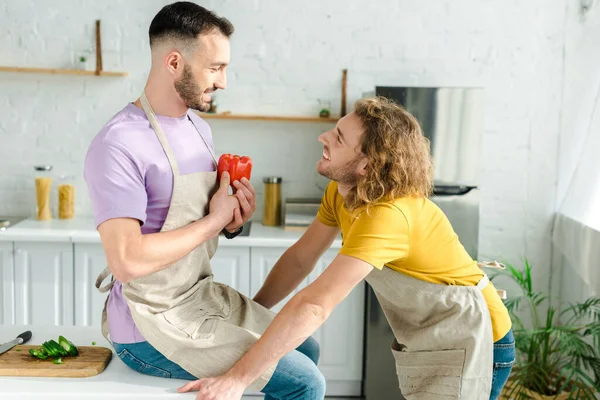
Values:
[(340, 337), (263, 259), (52, 284), (231, 266), (90, 261), (7, 284), (43, 283)]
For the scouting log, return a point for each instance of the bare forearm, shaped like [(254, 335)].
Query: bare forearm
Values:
[(285, 276), (291, 327), (295, 264), (145, 254)]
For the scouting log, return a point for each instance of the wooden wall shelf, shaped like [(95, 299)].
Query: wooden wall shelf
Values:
[(54, 71), (59, 71), (230, 116)]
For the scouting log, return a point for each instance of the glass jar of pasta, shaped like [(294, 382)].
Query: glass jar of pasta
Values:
[(43, 190), (66, 197), (272, 209)]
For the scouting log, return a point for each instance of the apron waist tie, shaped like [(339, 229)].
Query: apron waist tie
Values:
[(103, 275), (493, 265), (483, 282)]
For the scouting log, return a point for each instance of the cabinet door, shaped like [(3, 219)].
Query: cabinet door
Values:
[(231, 266), (90, 261), (7, 284), (44, 283), (262, 260), (341, 336)]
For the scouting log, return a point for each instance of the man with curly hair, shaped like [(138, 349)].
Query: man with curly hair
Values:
[(453, 334)]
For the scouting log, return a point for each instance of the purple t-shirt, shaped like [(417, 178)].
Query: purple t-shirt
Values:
[(128, 176)]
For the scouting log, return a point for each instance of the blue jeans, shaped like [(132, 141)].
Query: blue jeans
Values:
[(504, 358), (296, 375)]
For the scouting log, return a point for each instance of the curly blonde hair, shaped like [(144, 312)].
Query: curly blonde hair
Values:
[(398, 154)]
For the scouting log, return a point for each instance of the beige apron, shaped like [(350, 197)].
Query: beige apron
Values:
[(202, 325), (443, 343)]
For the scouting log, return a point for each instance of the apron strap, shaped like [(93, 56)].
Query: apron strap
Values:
[(212, 153), (160, 134), (103, 275), (162, 138), (483, 282), (491, 264)]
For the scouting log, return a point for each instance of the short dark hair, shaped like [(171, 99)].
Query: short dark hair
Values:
[(185, 20)]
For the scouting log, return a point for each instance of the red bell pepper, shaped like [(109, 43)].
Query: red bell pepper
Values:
[(238, 167)]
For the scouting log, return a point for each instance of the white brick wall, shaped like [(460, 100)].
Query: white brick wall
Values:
[(285, 56)]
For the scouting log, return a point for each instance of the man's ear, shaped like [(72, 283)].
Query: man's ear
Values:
[(175, 63), (362, 166)]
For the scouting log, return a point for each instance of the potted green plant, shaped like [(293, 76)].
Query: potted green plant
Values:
[(82, 59), (558, 346), (82, 62)]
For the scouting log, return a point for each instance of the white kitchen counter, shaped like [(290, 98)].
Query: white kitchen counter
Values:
[(116, 381), (82, 230)]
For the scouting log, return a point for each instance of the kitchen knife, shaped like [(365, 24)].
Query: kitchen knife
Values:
[(22, 338)]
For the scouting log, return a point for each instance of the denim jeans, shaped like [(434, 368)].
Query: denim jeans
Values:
[(296, 375), (504, 358)]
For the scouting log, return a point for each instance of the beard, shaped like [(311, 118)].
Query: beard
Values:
[(190, 92), (344, 174)]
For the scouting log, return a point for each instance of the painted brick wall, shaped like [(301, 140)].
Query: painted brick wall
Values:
[(286, 56)]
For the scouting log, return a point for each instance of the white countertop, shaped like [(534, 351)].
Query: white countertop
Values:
[(116, 381), (82, 230)]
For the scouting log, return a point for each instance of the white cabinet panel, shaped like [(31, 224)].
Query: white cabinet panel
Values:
[(7, 284), (263, 259), (341, 336), (44, 283), (231, 266), (89, 303)]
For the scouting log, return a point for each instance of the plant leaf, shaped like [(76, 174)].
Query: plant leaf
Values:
[(513, 303), (528, 283)]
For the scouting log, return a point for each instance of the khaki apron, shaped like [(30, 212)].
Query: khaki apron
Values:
[(443, 344), (201, 325)]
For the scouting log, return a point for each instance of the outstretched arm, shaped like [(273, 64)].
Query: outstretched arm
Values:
[(300, 317), (296, 263)]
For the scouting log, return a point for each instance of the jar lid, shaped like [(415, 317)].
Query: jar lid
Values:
[(43, 167), (272, 179)]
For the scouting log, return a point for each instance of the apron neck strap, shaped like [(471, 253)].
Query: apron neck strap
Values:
[(160, 134), (210, 150)]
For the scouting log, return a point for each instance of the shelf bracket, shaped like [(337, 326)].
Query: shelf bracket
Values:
[(98, 49)]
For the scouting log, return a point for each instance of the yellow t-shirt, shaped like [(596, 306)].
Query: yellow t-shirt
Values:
[(413, 236)]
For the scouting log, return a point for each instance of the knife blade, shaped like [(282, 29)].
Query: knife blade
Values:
[(22, 338)]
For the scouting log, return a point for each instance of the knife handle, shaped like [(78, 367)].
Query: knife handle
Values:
[(25, 336)]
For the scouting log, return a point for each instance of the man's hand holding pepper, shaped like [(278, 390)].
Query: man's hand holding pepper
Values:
[(239, 169), (247, 197)]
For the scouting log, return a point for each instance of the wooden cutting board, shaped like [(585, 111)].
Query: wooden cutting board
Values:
[(91, 361)]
